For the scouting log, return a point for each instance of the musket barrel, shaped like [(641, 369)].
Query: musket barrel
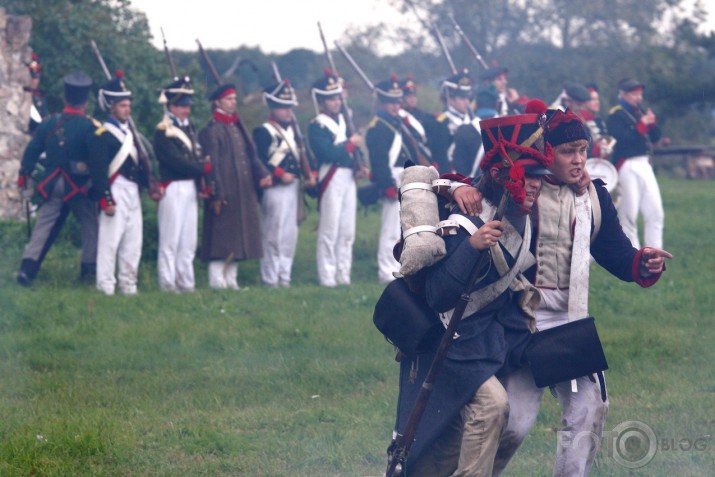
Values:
[(169, 57), (209, 64)]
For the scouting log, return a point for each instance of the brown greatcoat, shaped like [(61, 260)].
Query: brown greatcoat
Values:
[(234, 234)]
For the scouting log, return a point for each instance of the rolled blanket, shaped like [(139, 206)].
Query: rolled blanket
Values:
[(419, 215)]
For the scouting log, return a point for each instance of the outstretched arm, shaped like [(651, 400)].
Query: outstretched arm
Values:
[(652, 261)]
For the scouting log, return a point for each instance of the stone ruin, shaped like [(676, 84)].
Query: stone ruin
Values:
[(15, 106)]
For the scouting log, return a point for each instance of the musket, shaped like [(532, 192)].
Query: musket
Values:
[(209, 64), (429, 24), (28, 213), (403, 442), (155, 190), (469, 44), (422, 153), (300, 139), (217, 79), (169, 58), (344, 109)]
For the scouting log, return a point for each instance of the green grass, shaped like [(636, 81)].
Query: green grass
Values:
[(297, 382)]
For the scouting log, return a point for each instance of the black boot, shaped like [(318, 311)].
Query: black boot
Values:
[(28, 272)]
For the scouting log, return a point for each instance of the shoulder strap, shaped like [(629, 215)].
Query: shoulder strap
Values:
[(595, 211)]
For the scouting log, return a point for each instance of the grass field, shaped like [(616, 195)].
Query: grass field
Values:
[(297, 382)]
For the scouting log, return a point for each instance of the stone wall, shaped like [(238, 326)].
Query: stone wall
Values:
[(15, 106)]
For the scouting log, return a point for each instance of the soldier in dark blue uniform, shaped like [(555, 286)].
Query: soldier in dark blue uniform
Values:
[(456, 93), (389, 148), (180, 167), (420, 123), (635, 130), (117, 175), (279, 148), (64, 182), (334, 153)]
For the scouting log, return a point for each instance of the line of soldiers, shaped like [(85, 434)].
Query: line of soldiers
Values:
[(235, 173)]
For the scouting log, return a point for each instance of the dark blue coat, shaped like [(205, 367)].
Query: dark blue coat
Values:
[(490, 340)]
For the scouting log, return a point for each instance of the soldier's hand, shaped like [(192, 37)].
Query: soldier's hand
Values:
[(27, 190), (156, 191), (652, 261), (487, 235), (216, 206), (287, 177), (110, 210), (648, 118), (357, 140), (310, 182), (468, 199), (362, 173), (265, 182)]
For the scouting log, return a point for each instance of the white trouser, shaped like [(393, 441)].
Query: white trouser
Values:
[(178, 216), (639, 192), (120, 238), (280, 232), (336, 229), (223, 275), (389, 236), (583, 416)]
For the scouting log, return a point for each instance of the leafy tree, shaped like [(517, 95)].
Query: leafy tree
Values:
[(61, 35)]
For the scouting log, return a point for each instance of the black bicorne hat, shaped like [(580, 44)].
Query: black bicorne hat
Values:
[(459, 84), (389, 90), (280, 95), (408, 85), (112, 91), (177, 93), (328, 85)]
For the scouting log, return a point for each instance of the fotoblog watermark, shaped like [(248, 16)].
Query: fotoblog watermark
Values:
[(632, 444)]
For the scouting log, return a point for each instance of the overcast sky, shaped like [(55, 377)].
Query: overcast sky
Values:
[(276, 26)]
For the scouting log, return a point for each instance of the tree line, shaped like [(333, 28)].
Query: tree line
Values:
[(543, 43)]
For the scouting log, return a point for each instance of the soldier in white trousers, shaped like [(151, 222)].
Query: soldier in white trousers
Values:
[(635, 130), (337, 169), (177, 151), (116, 173), (575, 221), (277, 146), (389, 147)]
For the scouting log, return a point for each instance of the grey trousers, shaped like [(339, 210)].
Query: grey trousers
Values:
[(583, 417), (50, 219)]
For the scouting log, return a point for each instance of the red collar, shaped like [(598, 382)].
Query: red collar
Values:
[(221, 117), (587, 115), (71, 110)]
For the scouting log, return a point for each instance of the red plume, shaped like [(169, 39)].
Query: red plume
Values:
[(119, 74), (535, 106), (286, 81), (410, 77), (328, 72), (393, 77), (34, 56)]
